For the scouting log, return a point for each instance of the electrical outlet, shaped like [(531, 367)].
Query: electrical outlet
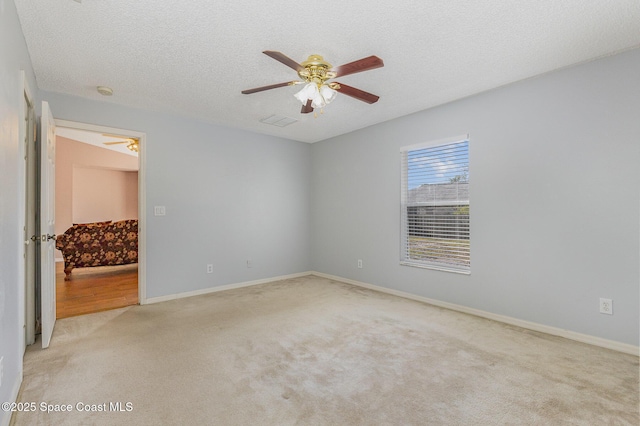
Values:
[(606, 306), (209, 269), (359, 263)]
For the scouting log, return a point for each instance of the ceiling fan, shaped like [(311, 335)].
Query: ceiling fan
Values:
[(132, 143), (315, 72)]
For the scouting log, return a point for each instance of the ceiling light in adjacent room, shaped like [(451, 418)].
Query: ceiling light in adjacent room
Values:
[(133, 146)]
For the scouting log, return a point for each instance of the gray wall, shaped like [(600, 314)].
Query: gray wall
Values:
[(230, 196), (555, 184), (13, 59)]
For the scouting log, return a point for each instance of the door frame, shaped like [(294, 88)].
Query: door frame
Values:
[(142, 199)]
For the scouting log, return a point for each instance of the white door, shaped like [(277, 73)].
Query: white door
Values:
[(47, 222), (31, 166)]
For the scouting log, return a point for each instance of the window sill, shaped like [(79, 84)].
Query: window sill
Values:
[(435, 268)]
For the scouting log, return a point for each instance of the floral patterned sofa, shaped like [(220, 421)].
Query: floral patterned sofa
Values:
[(99, 244)]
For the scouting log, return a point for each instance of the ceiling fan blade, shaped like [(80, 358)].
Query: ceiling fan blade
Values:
[(361, 95), (119, 137), (116, 143), (306, 109), (281, 57), (364, 64), (273, 86)]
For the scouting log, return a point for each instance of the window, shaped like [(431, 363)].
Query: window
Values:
[(435, 205)]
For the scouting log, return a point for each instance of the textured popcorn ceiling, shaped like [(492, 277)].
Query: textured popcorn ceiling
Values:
[(193, 58)]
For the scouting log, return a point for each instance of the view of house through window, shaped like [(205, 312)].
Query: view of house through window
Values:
[(435, 205)]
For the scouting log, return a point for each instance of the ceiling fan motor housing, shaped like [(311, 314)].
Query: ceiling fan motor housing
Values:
[(316, 70)]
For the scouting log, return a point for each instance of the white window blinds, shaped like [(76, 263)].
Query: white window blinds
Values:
[(435, 205)]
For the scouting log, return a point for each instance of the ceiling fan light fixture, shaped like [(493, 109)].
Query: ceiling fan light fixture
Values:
[(309, 91), (320, 95), (327, 93)]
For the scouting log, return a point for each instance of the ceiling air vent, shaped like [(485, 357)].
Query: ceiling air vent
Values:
[(278, 120)]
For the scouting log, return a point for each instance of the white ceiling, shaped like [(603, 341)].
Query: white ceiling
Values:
[(193, 58)]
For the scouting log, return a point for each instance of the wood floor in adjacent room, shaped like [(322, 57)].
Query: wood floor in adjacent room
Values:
[(95, 289)]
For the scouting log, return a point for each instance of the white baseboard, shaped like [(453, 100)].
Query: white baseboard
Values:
[(5, 420), (223, 288), (572, 335), (555, 331)]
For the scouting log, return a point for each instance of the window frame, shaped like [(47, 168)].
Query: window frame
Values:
[(404, 206)]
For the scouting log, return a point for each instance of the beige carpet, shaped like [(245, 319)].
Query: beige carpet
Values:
[(311, 351)]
